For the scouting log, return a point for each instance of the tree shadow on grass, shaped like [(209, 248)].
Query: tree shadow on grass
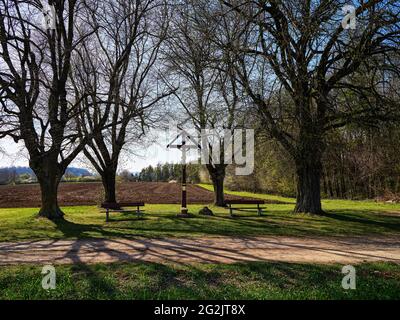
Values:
[(348, 216), (86, 231), (97, 284), (166, 225), (250, 280)]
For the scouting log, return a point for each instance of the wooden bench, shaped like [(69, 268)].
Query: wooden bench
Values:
[(245, 202), (119, 207)]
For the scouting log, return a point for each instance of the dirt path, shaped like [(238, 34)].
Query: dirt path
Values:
[(204, 250)]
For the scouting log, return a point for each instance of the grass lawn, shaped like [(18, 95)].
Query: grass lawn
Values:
[(344, 218), (238, 281)]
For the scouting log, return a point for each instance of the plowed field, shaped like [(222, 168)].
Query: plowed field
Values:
[(75, 194)]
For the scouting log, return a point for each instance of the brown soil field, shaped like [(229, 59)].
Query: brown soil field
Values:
[(76, 194)]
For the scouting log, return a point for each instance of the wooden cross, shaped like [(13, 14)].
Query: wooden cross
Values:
[(184, 147)]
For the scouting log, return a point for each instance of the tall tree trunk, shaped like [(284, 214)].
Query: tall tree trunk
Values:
[(309, 170), (49, 177), (308, 189), (109, 183), (219, 199), (217, 174)]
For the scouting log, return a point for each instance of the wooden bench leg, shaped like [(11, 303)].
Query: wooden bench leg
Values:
[(230, 210), (259, 210), (107, 215)]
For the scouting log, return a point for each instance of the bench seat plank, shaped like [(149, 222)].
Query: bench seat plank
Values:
[(124, 211), (248, 208), (245, 201), (119, 207)]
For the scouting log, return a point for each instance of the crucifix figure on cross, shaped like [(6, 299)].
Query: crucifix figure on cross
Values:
[(184, 142)]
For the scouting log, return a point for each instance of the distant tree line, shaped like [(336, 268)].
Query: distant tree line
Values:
[(25, 175), (360, 163), (169, 172), (7, 176)]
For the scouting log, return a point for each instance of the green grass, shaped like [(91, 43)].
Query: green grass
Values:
[(252, 195), (239, 281), (327, 204), (344, 218)]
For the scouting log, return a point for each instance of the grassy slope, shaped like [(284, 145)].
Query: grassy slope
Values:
[(239, 281), (344, 218), (328, 205), (251, 195)]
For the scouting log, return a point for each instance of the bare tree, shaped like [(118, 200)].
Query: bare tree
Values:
[(36, 105), (208, 97), (118, 68), (306, 50)]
